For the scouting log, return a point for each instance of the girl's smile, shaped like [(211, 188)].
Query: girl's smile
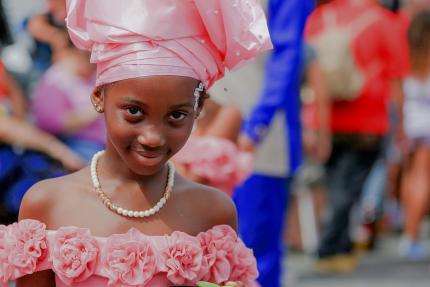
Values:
[(149, 158)]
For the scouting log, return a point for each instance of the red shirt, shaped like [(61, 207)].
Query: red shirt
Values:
[(3, 83), (380, 44)]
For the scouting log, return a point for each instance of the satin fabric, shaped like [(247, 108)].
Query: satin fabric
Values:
[(194, 38)]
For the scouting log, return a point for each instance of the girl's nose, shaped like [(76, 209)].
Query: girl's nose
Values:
[(152, 137)]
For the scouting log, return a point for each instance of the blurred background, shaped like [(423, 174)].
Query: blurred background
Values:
[(324, 143)]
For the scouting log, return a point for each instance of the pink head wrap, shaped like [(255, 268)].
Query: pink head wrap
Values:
[(194, 38)]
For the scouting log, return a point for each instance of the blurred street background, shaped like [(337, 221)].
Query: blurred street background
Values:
[(381, 268), (337, 119)]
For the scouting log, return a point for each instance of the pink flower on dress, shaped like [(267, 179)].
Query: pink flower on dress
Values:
[(74, 254), (26, 245), (182, 259), (129, 259), (244, 265), (217, 244), (5, 270)]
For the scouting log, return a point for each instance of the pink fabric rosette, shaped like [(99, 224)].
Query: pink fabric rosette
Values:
[(194, 38), (4, 266), (217, 244), (129, 259), (182, 259), (25, 245), (74, 254), (217, 160), (244, 265)]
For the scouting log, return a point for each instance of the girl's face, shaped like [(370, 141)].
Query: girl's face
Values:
[(148, 119)]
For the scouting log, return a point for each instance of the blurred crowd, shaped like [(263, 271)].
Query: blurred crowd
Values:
[(333, 124), (48, 126)]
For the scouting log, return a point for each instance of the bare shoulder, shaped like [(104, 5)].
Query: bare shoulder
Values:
[(40, 199), (211, 204)]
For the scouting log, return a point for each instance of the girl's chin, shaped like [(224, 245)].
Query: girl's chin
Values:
[(146, 164)]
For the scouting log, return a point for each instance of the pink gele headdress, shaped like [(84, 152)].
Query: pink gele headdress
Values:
[(194, 38)]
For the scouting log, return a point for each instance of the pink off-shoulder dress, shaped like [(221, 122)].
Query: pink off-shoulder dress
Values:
[(80, 259)]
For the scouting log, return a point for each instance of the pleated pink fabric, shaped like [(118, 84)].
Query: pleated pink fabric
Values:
[(194, 38)]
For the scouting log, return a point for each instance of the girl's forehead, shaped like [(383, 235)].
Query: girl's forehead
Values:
[(158, 84), (159, 89)]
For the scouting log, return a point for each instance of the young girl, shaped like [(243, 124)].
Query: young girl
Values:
[(416, 185), (128, 219)]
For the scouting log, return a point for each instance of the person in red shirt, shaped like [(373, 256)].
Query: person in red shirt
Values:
[(360, 123)]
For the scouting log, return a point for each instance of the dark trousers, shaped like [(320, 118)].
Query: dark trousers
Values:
[(351, 161), (261, 203)]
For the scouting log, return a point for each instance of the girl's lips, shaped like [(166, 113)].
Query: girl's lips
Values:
[(148, 158), (148, 154)]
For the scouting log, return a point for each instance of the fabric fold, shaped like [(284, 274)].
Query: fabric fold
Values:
[(195, 38)]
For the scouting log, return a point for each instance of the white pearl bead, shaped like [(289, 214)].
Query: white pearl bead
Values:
[(130, 213), (136, 214), (142, 214), (119, 210)]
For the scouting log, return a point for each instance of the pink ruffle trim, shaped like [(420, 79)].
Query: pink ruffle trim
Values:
[(130, 259)]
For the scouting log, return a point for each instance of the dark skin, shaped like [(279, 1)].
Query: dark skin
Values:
[(148, 120)]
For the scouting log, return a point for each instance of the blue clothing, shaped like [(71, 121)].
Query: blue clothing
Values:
[(18, 172), (282, 77), (261, 202)]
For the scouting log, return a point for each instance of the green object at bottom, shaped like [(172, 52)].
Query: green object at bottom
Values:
[(206, 284)]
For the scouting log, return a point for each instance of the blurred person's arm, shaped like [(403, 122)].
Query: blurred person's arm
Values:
[(20, 133), (398, 100), (226, 124), (323, 102), (15, 94), (395, 49), (286, 24), (43, 31)]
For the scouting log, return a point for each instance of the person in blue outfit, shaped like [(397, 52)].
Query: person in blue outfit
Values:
[(262, 200)]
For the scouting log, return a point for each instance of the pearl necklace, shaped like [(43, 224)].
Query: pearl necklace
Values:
[(126, 212)]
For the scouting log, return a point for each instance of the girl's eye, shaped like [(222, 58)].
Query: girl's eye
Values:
[(134, 111), (177, 116)]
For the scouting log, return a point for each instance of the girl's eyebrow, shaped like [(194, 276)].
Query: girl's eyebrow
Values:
[(134, 101), (183, 105), (137, 102)]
